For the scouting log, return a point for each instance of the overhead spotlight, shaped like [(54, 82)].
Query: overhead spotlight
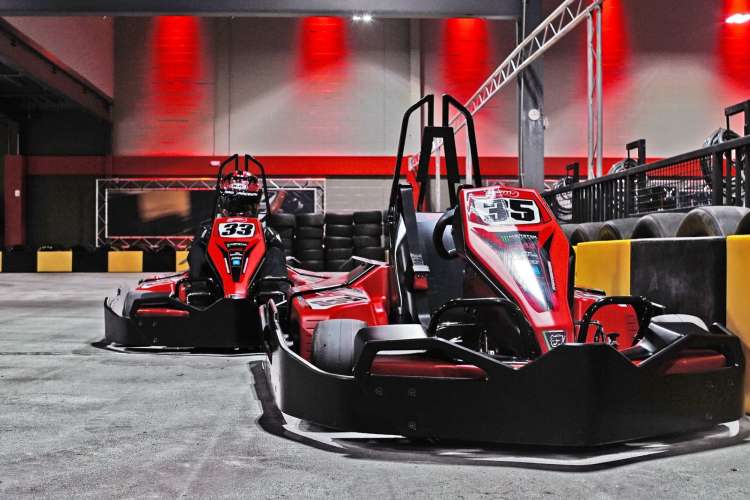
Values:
[(739, 18), (365, 18)]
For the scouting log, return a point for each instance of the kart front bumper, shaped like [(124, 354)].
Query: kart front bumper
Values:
[(225, 324), (578, 395)]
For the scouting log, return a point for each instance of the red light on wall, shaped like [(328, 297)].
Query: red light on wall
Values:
[(615, 45), (734, 38), (322, 45), (465, 61), (177, 62)]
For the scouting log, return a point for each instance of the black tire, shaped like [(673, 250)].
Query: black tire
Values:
[(617, 229), (744, 226), (588, 231), (338, 242), (366, 241), (288, 243), (277, 221), (333, 345), (339, 265), (310, 233), (308, 244), (368, 229), (312, 254), (286, 232), (339, 219), (660, 225), (711, 221), (339, 230), (568, 229), (313, 265), (368, 217), (374, 253), (312, 220), (338, 253)]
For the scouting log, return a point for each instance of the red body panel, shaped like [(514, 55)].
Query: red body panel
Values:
[(513, 236), (365, 299), (236, 254)]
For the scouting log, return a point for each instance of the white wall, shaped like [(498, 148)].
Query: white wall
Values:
[(84, 43), (267, 86), (665, 80)]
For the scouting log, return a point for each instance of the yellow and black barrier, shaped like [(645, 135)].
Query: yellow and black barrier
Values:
[(738, 298), (706, 277), (604, 265), (98, 261), (54, 261), (126, 261)]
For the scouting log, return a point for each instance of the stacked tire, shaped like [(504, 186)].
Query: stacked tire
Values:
[(308, 241), (368, 231), (284, 224), (338, 241)]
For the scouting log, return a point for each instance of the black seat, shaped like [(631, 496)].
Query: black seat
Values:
[(445, 281)]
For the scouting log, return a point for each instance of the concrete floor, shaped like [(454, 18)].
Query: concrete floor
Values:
[(77, 421)]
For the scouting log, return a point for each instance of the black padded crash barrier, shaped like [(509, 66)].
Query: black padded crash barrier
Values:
[(687, 275), (90, 259), (19, 260), (160, 261)]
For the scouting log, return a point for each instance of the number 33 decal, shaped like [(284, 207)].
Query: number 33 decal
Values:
[(236, 229)]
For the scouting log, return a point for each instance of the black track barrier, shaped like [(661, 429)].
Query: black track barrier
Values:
[(687, 275)]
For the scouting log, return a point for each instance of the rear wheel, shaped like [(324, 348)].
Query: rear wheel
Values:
[(333, 345)]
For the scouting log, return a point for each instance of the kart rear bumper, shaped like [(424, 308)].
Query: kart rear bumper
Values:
[(575, 395), (225, 324)]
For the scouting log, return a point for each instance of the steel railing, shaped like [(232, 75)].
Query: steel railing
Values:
[(714, 175)]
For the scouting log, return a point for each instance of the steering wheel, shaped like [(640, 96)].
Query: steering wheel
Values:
[(437, 235)]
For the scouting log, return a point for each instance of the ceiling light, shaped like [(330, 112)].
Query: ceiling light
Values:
[(740, 18)]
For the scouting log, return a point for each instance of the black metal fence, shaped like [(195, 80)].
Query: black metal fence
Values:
[(715, 175)]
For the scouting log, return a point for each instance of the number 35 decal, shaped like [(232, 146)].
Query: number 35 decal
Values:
[(501, 211), (236, 229)]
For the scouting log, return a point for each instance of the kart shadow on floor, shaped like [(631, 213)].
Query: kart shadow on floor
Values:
[(187, 351), (397, 448)]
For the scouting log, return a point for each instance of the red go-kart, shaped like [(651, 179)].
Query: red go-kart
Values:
[(473, 331), (236, 265)]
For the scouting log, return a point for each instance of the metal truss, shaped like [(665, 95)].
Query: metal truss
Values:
[(103, 186), (559, 23)]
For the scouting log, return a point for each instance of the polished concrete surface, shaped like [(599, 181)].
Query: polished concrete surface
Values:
[(78, 421)]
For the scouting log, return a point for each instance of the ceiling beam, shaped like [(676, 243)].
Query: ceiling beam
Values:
[(21, 54), (497, 9)]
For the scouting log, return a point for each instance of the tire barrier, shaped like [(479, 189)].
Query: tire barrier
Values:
[(711, 221), (588, 231), (569, 229), (738, 297), (617, 229), (744, 226), (658, 225)]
